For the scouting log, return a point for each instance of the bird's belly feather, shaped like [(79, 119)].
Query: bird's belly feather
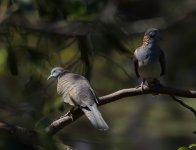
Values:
[(150, 71)]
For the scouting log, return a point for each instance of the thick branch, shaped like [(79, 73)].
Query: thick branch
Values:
[(31, 136), (62, 122)]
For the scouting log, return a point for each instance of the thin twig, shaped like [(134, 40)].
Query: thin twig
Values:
[(183, 104)]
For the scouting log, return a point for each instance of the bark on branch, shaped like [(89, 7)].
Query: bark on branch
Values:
[(57, 125), (32, 136)]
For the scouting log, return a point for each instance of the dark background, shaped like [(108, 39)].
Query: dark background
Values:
[(96, 39)]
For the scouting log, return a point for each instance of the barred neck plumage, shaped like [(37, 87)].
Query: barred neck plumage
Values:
[(63, 73), (147, 40)]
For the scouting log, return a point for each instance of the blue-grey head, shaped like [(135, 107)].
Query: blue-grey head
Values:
[(152, 33), (56, 72)]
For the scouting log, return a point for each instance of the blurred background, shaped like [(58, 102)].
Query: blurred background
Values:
[(96, 39)]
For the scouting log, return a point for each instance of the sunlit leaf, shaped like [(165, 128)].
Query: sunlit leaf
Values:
[(192, 146), (184, 148)]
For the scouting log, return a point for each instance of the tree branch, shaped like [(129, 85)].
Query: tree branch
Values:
[(183, 104), (31, 135), (55, 126)]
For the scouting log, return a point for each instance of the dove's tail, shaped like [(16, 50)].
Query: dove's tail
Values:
[(95, 117)]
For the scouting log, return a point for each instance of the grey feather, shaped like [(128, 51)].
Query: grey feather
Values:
[(77, 92), (95, 117), (149, 60)]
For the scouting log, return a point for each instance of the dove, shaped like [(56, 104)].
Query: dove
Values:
[(149, 59), (78, 93)]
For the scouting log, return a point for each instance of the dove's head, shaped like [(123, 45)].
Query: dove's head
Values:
[(153, 33), (56, 72)]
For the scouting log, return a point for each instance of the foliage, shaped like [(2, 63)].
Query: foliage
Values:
[(96, 39), (191, 147)]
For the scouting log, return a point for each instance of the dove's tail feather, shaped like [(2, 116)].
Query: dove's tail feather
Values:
[(95, 117)]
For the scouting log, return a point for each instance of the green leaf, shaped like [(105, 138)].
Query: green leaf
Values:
[(192, 146), (184, 148)]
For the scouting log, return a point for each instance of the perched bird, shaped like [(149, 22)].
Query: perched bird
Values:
[(149, 59), (77, 92)]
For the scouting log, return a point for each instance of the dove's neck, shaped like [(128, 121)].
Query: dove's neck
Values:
[(63, 73), (149, 41)]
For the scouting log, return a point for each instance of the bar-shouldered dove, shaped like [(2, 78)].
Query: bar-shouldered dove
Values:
[(149, 59), (77, 92)]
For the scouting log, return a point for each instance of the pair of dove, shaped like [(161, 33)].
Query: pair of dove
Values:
[(149, 64)]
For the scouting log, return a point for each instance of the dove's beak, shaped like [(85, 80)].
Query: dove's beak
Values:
[(50, 76)]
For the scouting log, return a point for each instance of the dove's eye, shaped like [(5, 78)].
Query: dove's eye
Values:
[(152, 34)]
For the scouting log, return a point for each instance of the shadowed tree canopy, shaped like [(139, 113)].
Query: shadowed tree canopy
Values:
[(95, 39)]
